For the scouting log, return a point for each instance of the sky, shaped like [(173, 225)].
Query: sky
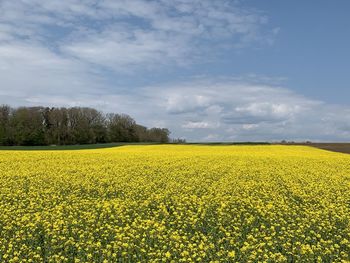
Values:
[(209, 70)]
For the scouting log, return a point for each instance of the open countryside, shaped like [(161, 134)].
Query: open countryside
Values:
[(174, 131), (175, 203)]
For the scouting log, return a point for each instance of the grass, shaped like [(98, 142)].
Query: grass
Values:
[(109, 145), (227, 143), (334, 147), (62, 147)]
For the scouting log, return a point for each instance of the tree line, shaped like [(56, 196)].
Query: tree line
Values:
[(75, 125)]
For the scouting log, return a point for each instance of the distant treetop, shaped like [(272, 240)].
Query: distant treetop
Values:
[(76, 125)]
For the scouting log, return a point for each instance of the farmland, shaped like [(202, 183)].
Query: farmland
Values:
[(175, 203)]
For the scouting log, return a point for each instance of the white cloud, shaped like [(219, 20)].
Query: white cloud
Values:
[(52, 48), (222, 110), (244, 111), (181, 103), (199, 125), (250, 126), (28, 70), (127, 35), (124, 49), (57, 53)]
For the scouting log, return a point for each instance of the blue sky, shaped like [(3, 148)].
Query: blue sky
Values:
[(312, 48), (210, 70)]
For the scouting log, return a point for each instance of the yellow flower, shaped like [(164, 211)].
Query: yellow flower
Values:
[(170, 203), (231, 254)]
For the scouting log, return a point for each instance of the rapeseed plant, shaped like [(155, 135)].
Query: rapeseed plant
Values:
[(175, 204)]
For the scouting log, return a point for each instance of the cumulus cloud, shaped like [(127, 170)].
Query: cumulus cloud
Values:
[(74, 52), (223, 110), (234, 110)]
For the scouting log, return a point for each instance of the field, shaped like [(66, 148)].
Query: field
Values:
[(171, 203), (335, 147)]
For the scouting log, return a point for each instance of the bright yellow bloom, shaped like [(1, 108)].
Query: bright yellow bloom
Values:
[(231, 254), (170, 203)]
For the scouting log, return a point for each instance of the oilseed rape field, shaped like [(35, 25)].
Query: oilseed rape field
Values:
[(175, 203)]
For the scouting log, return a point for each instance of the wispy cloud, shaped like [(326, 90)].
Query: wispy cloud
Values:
[(66, 53), (140, 33)]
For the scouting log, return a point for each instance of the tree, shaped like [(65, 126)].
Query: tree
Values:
[(78, 129), (4, 124), (56, 126), (141, 133), (179, 141), (26, 126), (121, 128), (160, 135), (97, 125), (77, 125)]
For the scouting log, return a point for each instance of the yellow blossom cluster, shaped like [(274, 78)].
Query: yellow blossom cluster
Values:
[(171, 203)]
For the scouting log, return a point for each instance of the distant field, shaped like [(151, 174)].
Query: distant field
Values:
[(335, 147), (175, 203), (67, 147)]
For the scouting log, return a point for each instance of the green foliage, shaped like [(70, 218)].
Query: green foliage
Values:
[(34, 126)]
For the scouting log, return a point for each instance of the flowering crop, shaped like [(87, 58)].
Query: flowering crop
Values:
[(175, 204)]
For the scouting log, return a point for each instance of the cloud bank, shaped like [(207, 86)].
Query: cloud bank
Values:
[(221, 110), (65, 53), (230, 110)]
